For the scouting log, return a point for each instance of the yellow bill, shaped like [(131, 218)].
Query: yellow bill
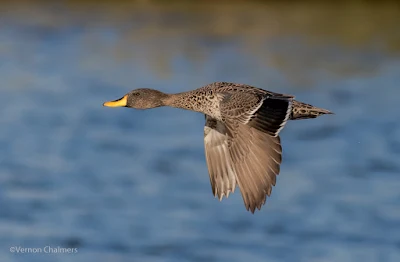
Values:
[(117, 103)]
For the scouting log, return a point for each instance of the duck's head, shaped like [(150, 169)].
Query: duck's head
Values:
[(143, 98)]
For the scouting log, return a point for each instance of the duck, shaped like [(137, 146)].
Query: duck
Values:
[(241, 132)]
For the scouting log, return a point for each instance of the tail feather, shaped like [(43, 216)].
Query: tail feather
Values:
[(303, 111)]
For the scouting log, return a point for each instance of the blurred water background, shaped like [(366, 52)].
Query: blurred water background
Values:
[(127, 185)]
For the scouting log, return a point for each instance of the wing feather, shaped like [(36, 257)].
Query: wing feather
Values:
[(240, 154), (220, 167), (256, 170)]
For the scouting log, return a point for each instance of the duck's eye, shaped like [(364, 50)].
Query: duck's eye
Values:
[(136, 94)]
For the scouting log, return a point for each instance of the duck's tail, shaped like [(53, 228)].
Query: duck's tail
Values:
[(303, 111)]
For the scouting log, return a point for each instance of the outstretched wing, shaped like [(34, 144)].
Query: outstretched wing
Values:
[(257, 157), (219, 162), (240, 154), (244, 147)]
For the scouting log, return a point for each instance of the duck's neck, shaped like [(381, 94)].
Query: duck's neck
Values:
[(179, 100), (198, 102)]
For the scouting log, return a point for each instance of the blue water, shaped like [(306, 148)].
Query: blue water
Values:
[(127, 185)]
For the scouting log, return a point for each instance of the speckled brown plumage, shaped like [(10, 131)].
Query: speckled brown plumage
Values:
[(241, 134)]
